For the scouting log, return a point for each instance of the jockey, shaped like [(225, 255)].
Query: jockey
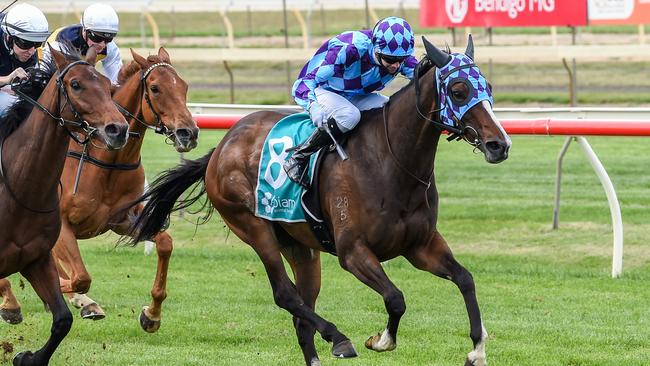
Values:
[(99, 25), (342, 79), (23, 29)]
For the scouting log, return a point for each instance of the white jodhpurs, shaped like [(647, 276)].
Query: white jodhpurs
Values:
[(347, 112)]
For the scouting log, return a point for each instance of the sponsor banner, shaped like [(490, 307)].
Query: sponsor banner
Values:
[(619, 12), (502, 13)]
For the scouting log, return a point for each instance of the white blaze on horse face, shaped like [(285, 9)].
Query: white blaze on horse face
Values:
[(478, 357), (488, 108)]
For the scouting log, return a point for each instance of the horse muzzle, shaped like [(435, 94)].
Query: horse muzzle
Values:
[(496, 151), (185, 139), (115, 135)]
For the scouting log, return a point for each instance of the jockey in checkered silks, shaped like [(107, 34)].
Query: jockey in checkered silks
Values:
[(343, 78)]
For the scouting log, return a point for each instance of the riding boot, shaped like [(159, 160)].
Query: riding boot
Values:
[(296, 165)]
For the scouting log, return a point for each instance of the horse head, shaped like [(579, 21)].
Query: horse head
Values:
[(86, 100), (165, 94), (465, 101)]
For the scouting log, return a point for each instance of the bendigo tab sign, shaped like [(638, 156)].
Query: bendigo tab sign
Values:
[(502, 13)]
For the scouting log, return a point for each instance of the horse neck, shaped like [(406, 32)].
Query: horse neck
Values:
[(413, 139), (129, 96), (36, 151)]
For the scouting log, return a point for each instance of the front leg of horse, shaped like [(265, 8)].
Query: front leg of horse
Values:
[(43, 277), (436, 257), (150, 316), (10, 307), (364, 265), (89, 308)]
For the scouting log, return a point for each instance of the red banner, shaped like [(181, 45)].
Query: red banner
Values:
[(502, 13), (619, 12)]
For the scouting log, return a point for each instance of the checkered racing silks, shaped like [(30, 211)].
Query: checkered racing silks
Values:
[(393, 36), (346, 65), (460, 68)]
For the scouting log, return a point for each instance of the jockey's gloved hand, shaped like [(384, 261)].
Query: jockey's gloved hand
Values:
[(317, 115)]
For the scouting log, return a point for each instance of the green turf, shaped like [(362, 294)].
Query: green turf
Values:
[(546, 295)]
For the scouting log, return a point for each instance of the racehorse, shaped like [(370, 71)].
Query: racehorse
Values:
[(379, 204), (152, 96), (76, 103)]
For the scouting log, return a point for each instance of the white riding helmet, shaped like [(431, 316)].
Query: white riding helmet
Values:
[(27, 22), (100, 18)]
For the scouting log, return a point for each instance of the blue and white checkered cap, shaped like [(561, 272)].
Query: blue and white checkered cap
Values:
[(393, 36)]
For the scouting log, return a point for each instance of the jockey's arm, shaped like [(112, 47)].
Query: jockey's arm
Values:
[(319, 75), (112, 63), (408, 67)]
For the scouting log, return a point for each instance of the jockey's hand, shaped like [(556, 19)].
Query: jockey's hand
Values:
[(317, 114), (19, 74)]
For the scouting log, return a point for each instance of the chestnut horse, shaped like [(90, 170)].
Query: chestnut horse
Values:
[(76, 100), (153, 96), (379, 204)]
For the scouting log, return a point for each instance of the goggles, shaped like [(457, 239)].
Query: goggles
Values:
[(24, 44), (392, 59), (99, 37)]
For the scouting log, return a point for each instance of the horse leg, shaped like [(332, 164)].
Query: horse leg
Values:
[(10, 307), (260, 236), (436, 257), (44, 279), (150, 315), (89, 308), (68, 257), (364, 265), (305, 264)]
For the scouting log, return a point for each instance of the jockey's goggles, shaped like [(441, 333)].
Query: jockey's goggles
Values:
[(24, 44), (389, 59), (99, 37)]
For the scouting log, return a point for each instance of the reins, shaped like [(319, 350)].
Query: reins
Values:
[(80, 123)]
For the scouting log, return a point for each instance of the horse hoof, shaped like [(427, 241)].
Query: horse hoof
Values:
[(381, 342), (22, 358), (148, 325), (93, 312), (314, 362), (11, 316), (344, 349), (478, 362)]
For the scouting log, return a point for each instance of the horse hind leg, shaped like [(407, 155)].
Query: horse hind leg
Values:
[(259, 234), (436, 257), (43, 277), (364, 265), (151, 315), (305, 264), (10, 307), (89, 308)]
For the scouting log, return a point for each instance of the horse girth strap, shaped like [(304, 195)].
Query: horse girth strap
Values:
[(102, 164)]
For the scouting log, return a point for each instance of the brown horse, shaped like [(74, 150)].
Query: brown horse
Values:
[(154, 97), (76, 100), (379, 204)]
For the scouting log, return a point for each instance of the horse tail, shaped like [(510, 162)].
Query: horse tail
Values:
[(162, 197)]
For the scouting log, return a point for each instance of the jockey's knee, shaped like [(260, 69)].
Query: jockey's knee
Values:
[(347, 119)]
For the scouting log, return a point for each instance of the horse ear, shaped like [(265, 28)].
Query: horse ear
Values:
[(436, 56), (469, 52), (91, 55), (164, 56), (139, 59), (58, 57)]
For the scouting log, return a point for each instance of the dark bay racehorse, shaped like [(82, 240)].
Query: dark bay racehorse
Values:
[(380, 204), (154, 97), (75, 103)]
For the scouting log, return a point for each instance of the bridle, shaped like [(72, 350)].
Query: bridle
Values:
[(159, 127), (457, 131), (78, 123)]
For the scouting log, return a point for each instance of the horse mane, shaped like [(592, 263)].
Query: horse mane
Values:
[(420, 69), (33, 87), (129, 70)]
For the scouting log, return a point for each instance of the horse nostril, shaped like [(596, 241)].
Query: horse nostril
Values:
[(114, 130), (495, 146), (184, 134)]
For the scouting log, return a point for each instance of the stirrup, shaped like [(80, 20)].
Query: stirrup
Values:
[(297, 172)]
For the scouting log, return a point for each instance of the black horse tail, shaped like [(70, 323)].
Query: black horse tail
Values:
[(162, 197)]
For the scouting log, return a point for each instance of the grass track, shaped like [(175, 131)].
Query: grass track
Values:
[(546, 296)]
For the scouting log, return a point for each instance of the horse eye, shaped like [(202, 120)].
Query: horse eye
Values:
[(75, 85), (154, 89)]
